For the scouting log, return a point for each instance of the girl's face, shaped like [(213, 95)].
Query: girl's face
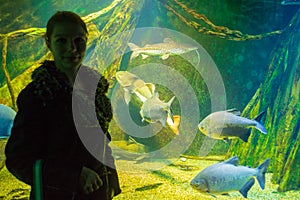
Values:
[(67, 44)]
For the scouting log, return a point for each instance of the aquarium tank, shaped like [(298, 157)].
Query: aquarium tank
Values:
[(205, 94)]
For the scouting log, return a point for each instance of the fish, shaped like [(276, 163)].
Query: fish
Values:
[(7, 116), (154, 110), (164, 50), (132, 84), (227, 176), (290, 2), (127, 149), (224, 125)]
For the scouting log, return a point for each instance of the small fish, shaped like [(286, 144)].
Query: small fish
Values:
[(7, 116), (227, 176), (127, 150), (154, 110), (132, 84), (165, 49), (290, 2), (224, 125)]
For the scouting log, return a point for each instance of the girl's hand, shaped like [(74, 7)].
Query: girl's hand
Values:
[(89, 180)]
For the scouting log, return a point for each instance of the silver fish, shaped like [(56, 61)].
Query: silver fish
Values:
[(224, 125), (132, 84), (165, 49), (227, 176), (7, 116), (154, 110)]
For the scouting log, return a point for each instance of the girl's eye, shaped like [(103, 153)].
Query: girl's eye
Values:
[(80, 40), (61, 40)]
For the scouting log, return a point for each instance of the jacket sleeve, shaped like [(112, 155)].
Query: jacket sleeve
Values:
[(27, 144)]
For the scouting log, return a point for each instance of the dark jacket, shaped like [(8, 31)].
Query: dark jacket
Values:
[(44, 129)]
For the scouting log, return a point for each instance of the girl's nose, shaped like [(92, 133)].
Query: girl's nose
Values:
[(73, 46)]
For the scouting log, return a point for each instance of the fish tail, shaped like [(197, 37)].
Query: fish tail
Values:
[(259, 126), (174, 126), (262, 169), (245, 136), (133, 48)]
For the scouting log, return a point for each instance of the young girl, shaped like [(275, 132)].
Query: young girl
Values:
[(45, 149)]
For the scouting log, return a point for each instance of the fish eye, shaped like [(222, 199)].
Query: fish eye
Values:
[(201, 127)]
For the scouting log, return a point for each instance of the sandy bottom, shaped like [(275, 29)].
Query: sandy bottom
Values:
[(156, 181)]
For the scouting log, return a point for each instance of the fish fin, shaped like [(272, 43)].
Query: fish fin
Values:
[(127, 96), (133, 47), (247, 187), (168, 40), (131, 140), (144, 56), (262, 169), (134, 55), (151, 87), (259, 126), (171, 101), (245, 137), (233, 161), (174, 126), (165, 56), (234, 111)]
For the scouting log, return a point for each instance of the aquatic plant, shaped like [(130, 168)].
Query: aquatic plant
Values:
[(279, 95)]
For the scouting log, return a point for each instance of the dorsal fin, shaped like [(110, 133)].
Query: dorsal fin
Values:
[(233, 161), (234, 111)]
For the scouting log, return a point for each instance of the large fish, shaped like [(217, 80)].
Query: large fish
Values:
[(154, 110), (127, 150), (132, 84), (224, 125), (7, 116), (227, 176), (165, 49)]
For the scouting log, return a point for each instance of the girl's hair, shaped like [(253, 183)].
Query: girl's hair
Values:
[(63, 16)]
